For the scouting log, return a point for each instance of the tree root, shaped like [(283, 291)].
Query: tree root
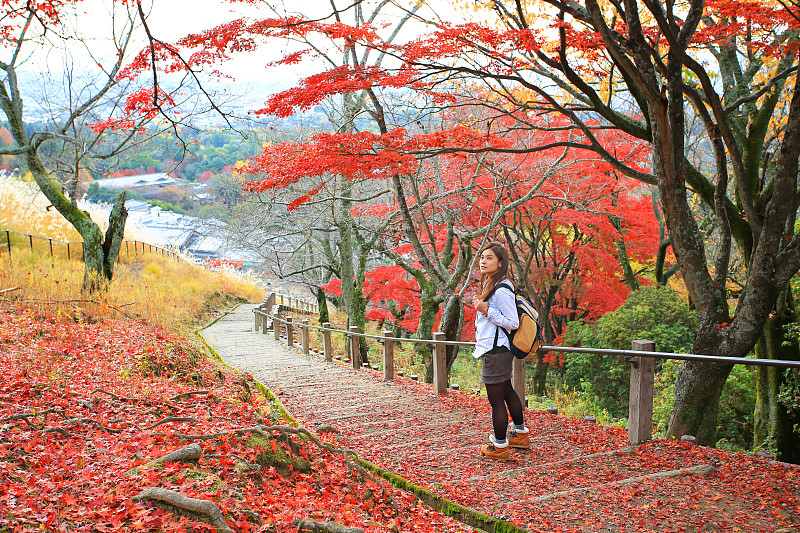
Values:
[(176, 499), (91, 421), (27, 416), (61, 431), (310, 526), (192, 452), (263, 430), (186, 395), (169, 419), (115, 396)]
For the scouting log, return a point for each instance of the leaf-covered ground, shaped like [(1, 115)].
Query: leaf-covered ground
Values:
[(86, 407), (577, 476)]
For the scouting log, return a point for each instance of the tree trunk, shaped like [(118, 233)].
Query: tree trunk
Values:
[(322, 303), (540, 376), (697, 391), (429, 307), (773, 426), (100, 254), (451, 324)]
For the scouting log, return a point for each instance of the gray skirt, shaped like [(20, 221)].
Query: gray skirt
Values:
[(497, 366)]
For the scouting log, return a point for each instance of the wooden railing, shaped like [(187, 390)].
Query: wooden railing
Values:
[(641, 357), (74, 249)]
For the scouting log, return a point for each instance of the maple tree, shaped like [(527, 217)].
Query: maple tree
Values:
[(647, 51), (445, 205), (630, 67), (320, 191), (638, 74), (573, 248)]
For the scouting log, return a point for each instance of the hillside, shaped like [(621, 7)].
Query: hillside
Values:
[(89, 408)]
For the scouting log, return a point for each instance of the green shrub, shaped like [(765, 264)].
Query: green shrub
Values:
[(655, 313)]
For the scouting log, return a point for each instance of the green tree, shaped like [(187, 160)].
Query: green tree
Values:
[(656, 313)]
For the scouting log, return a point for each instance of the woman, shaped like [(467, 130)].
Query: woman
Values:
[(497, 311)]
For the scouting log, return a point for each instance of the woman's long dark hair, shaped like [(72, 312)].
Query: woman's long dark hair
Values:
[(489, 282)]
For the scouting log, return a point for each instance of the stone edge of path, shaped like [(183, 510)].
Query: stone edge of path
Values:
[(463, 514)]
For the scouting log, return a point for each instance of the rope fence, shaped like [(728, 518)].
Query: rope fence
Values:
[(641, 356), (73, 249)]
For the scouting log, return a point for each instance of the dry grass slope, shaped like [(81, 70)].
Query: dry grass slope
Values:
[(174, 294)]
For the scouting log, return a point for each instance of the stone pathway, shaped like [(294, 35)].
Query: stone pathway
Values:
[(434, 442)]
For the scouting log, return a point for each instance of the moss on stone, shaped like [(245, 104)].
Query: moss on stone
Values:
[(283, 463), (450, 508)]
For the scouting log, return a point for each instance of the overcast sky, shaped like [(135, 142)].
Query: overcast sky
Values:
[(170, 20)]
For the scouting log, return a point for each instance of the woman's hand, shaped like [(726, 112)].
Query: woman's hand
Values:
[(480, 305)]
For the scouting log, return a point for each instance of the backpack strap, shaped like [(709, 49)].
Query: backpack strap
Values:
[(494, 290), (498, 328)]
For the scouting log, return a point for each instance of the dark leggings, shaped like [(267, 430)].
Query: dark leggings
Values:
[(502, 395)]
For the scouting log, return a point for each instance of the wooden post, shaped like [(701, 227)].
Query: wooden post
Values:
[(264, 322), (388, 355), (68, 258), (257, 319), (355, 347), (439, 364), (518, 378), (276, 326), (640, 406), (30, 238), (326, 342), (304, 333), (289, 332), (8, 241), (51, 247)]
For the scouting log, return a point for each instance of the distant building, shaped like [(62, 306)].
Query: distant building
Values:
[(158, 179)]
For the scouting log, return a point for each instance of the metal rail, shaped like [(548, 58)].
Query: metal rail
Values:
[(379, 338), (779, 363)]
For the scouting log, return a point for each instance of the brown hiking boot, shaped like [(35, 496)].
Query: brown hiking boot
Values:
[(491, 450), (517, 439)]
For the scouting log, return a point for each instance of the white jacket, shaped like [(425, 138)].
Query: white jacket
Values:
[(502, 313)]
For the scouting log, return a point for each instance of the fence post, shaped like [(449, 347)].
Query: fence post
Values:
[(8, 241), (355, 348), (640, 406), (257, 317), (388, 355), (264, 322), (289, 332), (518, 378), (51, 247), (68, 258), (276, 327), (30, 239), (304, 333), (326, 342), (439, 364)]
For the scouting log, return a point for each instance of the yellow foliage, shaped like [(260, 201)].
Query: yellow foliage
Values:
[(24, 208), (174, 294), (151, 269)]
